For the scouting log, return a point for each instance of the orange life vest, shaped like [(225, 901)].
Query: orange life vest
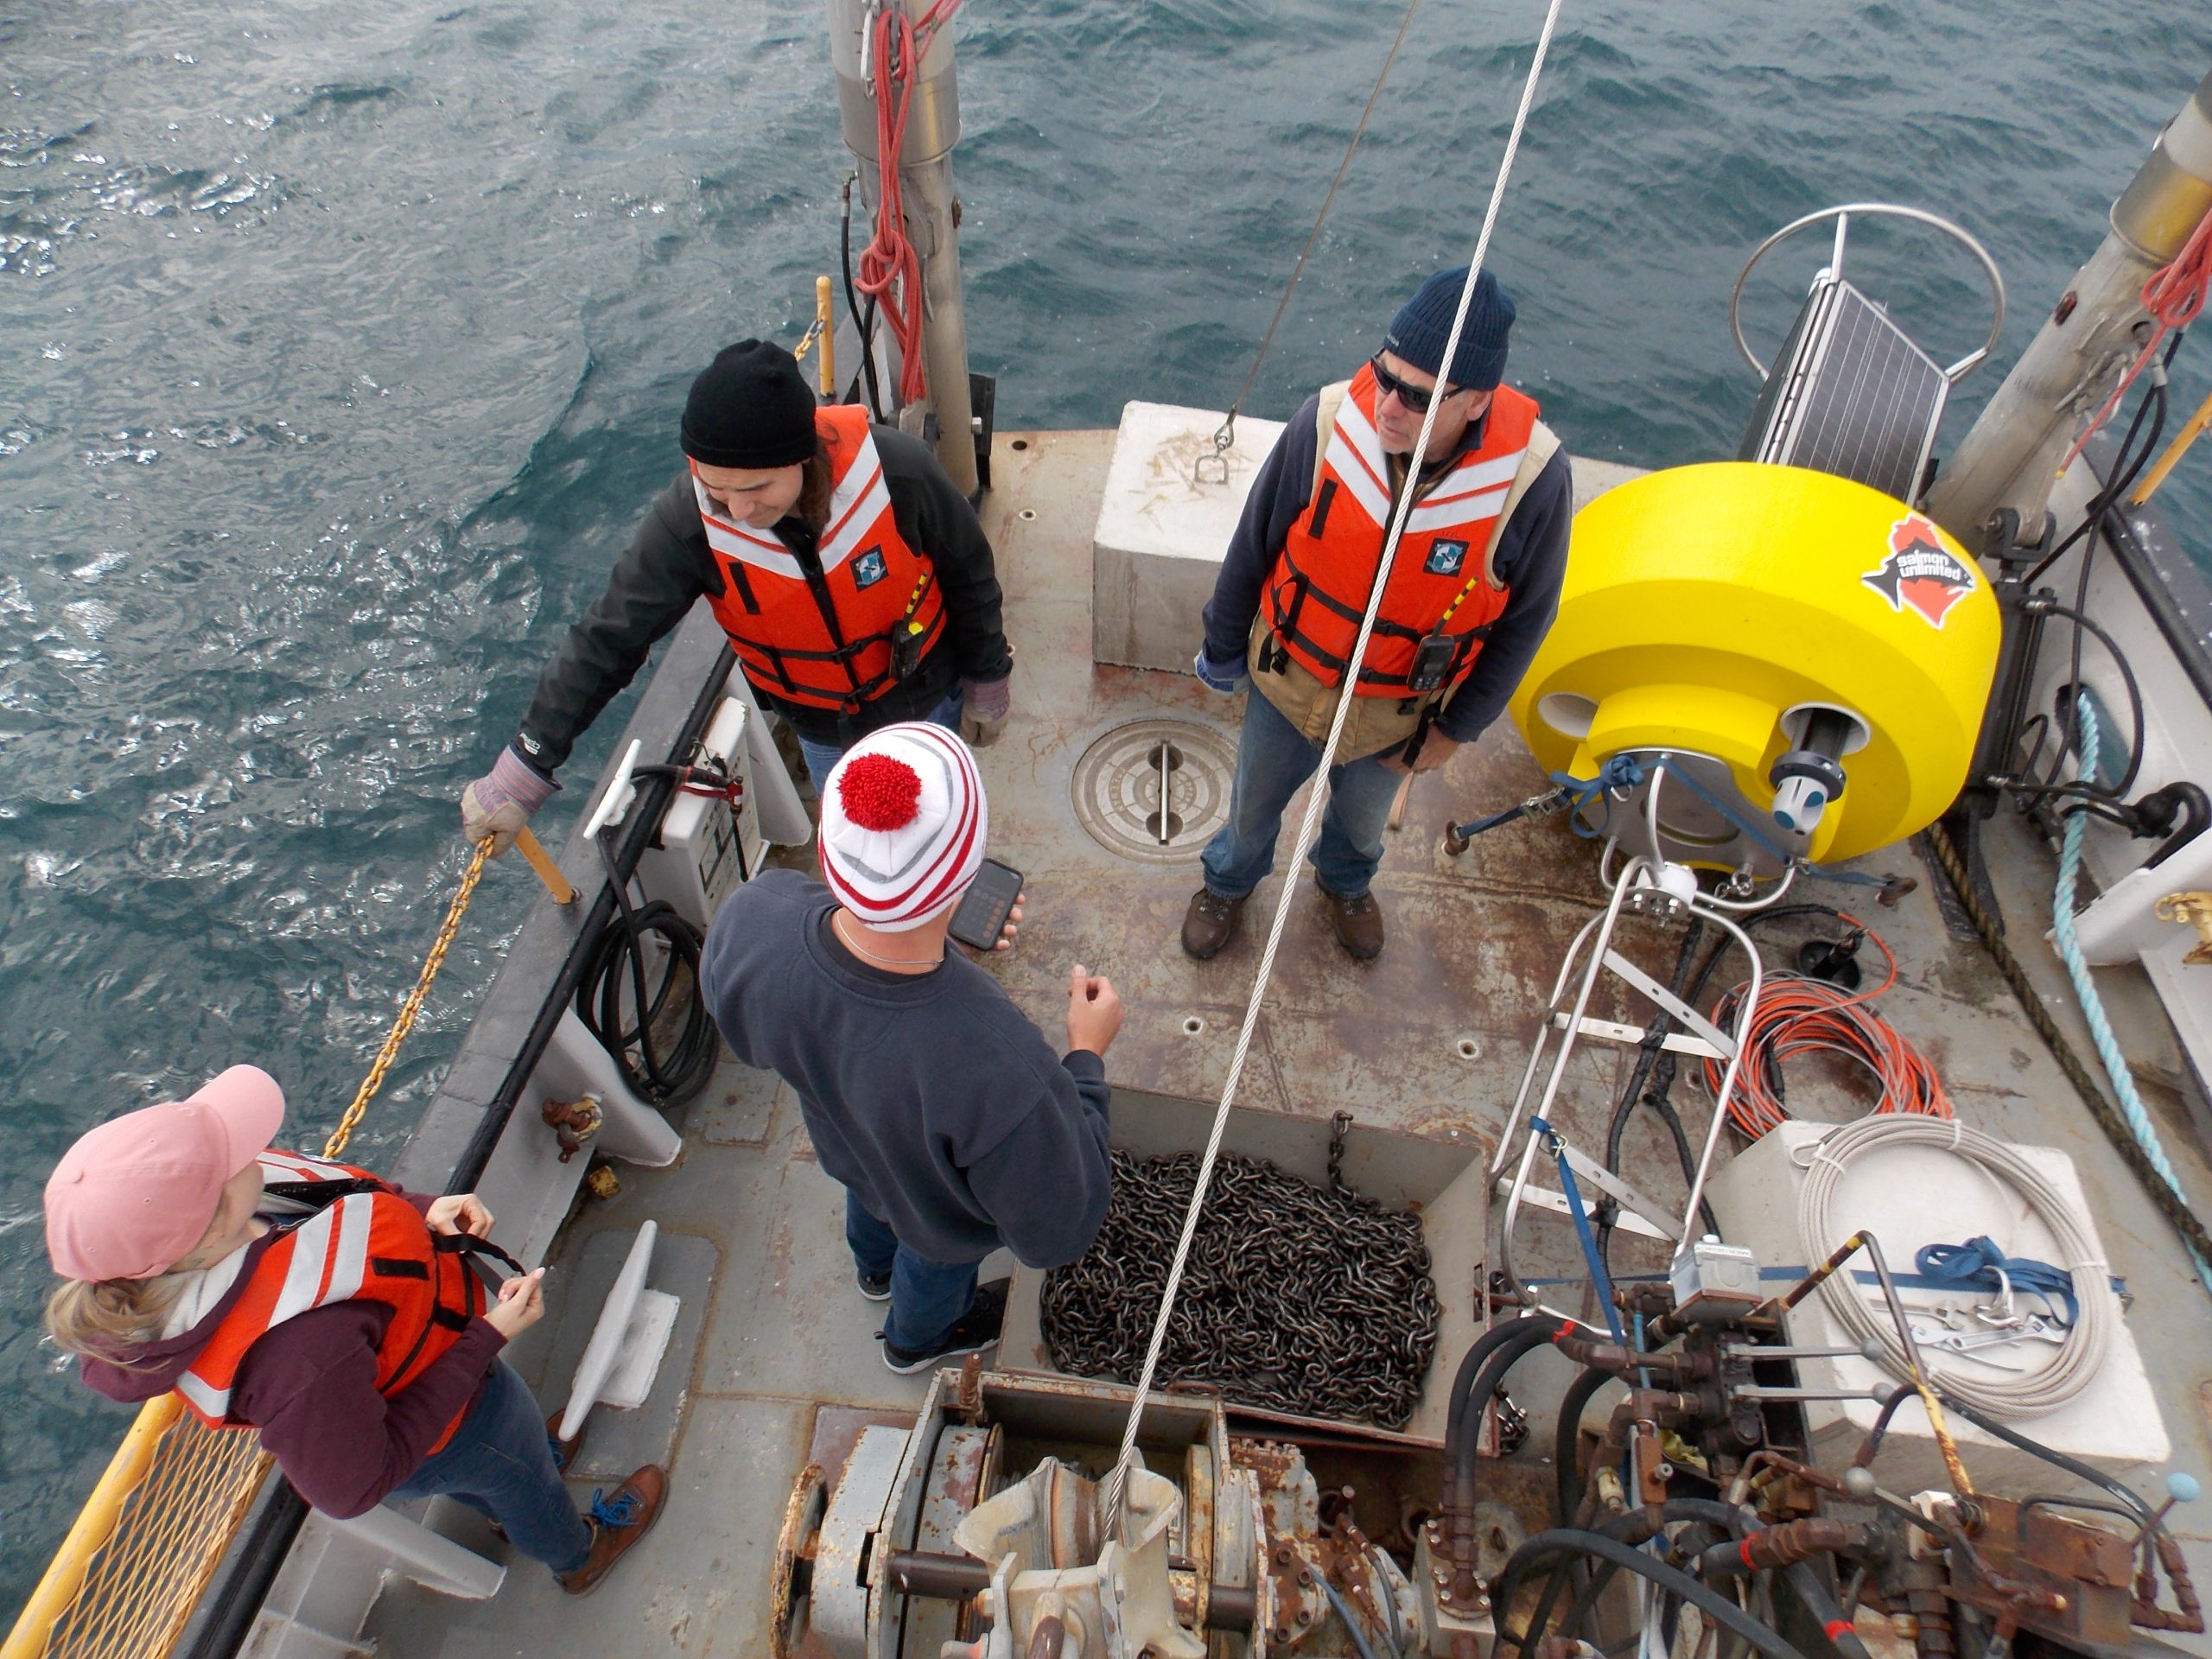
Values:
[(825, 639), (1440, 582), (363, 1243)]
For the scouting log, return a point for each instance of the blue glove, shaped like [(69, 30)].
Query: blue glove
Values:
[(1228, 678)]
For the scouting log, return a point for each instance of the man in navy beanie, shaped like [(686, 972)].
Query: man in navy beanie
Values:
[(852, 576), (1472, 589)]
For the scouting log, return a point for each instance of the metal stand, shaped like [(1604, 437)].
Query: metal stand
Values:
[(1645, 886)]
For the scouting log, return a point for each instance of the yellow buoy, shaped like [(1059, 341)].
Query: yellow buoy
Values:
[(1721, 614)]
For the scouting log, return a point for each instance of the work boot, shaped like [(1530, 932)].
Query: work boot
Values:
[(1359, 921), (617, 1523), (1209, 923), (977, 1328)]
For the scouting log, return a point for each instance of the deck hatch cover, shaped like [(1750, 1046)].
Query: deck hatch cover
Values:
[(1852, 395), (1155, 791)]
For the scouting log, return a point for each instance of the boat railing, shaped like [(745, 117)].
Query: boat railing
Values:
[(175, 1498)]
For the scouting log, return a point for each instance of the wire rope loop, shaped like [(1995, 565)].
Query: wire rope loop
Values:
[(1958, 370), (404, 1022)]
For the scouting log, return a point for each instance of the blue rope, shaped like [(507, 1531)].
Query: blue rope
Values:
[(1978, 1264), (1621, 771), (1591, 1253), (2088, 740)]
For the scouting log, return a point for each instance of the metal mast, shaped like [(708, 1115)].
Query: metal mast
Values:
[(944, 417), (2010, 460)]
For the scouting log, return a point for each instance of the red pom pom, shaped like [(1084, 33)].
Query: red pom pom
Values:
[(879, 792)]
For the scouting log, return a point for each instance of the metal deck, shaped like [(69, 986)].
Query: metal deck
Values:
[(777, 1349)]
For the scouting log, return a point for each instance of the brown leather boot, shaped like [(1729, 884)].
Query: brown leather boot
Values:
[(1209, 923), (617, 1523), (1359, 922)]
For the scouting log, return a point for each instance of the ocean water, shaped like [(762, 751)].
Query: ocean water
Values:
[(340, 345)]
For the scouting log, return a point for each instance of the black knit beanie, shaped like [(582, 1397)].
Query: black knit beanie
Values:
[(1423, 326), (752, 409)]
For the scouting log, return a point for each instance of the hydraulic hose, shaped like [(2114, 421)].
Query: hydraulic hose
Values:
[(1673, 1581), (1524, 1337), (1566, 1443)]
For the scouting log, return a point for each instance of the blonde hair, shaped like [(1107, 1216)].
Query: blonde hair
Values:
[(106, 1318)]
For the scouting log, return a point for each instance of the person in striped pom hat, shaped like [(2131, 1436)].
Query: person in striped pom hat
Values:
[(933, 1100)]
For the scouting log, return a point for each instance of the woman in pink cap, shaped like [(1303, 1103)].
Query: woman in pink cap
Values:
[(330, 1310)]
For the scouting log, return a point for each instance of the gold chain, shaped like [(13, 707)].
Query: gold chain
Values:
[(413, 1006)]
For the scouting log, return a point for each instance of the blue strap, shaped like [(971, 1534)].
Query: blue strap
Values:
[(1590, 1251), (1621, 771), (1978, 1263)]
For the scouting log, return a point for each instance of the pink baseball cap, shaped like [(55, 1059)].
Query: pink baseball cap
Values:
[(133, 1196)]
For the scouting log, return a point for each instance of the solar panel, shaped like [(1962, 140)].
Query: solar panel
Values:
[(1851, 394)]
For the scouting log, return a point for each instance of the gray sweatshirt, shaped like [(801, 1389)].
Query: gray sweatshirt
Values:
[(930, 1096)]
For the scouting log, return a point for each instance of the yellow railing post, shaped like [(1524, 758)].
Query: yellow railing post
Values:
[(94, 1524)]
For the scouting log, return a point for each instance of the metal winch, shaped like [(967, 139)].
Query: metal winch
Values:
[(980, 1532)]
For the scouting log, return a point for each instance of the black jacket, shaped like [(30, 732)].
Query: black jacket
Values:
[(1531, 561), (668, 567)]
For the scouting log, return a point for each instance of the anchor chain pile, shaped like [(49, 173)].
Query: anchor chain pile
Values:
[(1299, 1298)]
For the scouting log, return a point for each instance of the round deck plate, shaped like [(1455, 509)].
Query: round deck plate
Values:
[(1117, 788)]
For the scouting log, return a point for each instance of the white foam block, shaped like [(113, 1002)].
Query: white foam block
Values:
[(1161, 536), (1908, 1196)]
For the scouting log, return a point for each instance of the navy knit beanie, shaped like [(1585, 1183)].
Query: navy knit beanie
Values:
[(1420, 330), (751, 408)]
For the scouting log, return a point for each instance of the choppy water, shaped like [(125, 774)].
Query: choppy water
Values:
[(340, 344)]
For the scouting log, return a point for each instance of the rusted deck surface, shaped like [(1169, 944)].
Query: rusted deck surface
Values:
[(1430, 1039)]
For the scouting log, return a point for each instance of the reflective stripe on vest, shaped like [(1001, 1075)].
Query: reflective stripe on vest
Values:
[(367, 1244), (826, 641), (1318, 590)]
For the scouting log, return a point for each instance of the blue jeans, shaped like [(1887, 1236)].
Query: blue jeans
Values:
[(498, 1465), (820, 757), (927, 1298), (1272, 761)]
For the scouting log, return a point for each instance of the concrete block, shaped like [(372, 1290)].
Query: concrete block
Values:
[(1160, 537)]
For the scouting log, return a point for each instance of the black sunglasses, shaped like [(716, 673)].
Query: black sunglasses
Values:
[(1415, 398)]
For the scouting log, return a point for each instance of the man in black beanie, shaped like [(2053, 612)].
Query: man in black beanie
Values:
[(852, 576), (1472, 593)]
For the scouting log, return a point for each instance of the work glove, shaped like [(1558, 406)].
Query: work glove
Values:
[(984, 705), (1228, 678), (499, 802)]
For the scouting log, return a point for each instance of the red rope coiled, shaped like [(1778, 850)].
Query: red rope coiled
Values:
[(890, 270), (1796, 1016)]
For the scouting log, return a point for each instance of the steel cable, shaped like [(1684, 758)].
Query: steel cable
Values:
[(2073, 1367), (1318, 796)]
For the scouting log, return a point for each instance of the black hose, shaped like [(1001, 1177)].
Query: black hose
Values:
[(617, 962), (1456, 1423), (1534, 1333), (1566, 1443), (1825, 1611), (864, 329), (1673, 1581), (2073, 1467)]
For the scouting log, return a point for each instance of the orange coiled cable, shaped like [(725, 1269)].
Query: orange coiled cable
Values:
[(1797, 1016)]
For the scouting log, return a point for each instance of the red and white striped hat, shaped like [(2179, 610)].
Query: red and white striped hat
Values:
[(903, 825)]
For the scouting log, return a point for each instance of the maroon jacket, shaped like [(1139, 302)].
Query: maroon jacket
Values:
[(310, 1386)]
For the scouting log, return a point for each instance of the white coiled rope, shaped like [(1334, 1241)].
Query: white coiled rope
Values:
[(2074, 1365), (1318, 796)]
